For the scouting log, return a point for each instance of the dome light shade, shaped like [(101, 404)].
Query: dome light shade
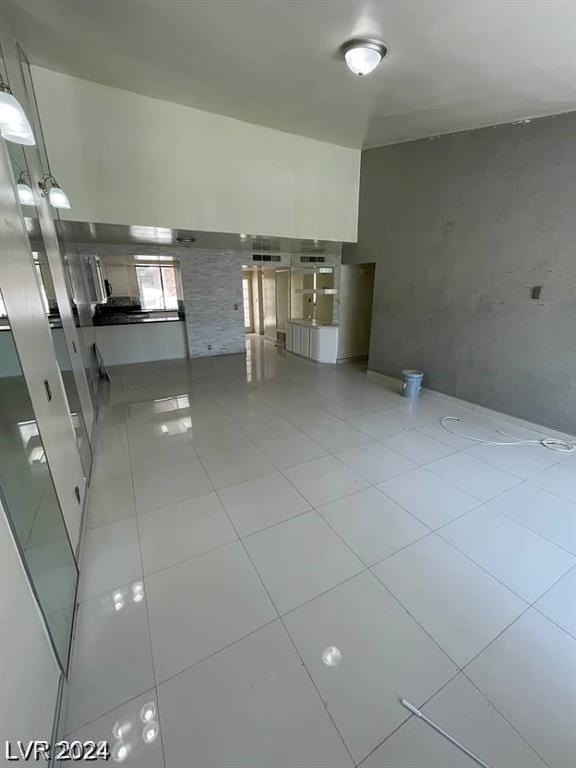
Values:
[(14, 125), (25, 194), (57, 197), (363, 56)]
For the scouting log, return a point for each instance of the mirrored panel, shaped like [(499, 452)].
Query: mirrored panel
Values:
[(30, 500), (46, 287), (83, 298)]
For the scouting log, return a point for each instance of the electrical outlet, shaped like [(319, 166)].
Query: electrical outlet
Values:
[(536, 292)]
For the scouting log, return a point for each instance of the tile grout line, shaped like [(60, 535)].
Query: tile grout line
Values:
[(291, 640), (150, 646), (479, 565), (357, 491), (373, 439), (370, 485), (408, 718), (503, 716)]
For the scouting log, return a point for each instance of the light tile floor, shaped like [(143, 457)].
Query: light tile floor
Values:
[(247, 513)]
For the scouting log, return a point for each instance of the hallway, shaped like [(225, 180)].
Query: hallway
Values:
[(277, 550)]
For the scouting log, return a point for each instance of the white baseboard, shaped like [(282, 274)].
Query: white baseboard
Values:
[(394, 381)]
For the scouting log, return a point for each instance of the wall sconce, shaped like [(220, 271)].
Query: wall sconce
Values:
[(25, 194), (14, 125), (56, 195)]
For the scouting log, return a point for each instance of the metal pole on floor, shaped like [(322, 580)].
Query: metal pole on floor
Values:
[(442, 732)]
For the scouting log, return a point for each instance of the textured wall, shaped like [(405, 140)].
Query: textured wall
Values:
[(212, 288), (460, 228)]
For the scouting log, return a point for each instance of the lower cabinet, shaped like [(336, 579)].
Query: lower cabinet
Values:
[(289, 337), (305, 334), (317, 343)]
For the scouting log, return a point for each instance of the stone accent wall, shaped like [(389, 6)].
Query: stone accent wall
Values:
[(212, 288)]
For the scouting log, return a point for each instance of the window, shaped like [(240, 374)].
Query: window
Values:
[(157, 287)]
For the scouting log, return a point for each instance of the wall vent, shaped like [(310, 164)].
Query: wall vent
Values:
[(312, 259), (266, 257)]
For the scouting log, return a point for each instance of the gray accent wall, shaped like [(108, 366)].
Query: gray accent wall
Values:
[(461, 227), (213, 302)]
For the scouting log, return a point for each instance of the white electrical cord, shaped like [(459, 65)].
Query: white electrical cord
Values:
[(442, 732), (552, 443)]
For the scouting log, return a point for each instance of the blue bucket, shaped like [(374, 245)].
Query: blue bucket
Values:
[(411, 383)]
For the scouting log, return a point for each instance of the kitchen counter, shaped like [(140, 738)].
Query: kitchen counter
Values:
[(311, 323)]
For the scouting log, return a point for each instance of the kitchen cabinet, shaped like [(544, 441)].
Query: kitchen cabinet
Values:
[(312, 340)]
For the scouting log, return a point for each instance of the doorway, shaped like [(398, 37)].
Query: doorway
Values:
[(355, 321), (248, 301)]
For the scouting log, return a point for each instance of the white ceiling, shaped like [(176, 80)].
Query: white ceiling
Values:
[(452, 64)]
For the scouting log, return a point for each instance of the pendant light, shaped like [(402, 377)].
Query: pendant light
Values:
[(14, 125), (56, 195), (25, 194), (363, 55)]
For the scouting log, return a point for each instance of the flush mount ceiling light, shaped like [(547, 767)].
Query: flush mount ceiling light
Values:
[(14, 125), (25, 194), (363, 55), (56, 195)]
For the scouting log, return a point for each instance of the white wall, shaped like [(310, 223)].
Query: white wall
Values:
[(141, 342), (28, 671), (129, 159), (119, 345)]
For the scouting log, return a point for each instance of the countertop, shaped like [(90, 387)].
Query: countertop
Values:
[(311, 323)]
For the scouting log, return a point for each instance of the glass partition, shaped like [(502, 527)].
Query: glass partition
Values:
[(30, 500)]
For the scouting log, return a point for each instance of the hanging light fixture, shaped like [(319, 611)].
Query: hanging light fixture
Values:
[(363, 55), (14, 125), (56, 195), (25, 194)]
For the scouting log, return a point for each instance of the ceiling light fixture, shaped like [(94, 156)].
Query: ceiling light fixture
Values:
[(363, 55), (56, 195), (14, 125), (25, 194)]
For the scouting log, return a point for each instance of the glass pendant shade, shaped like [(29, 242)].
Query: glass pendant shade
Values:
[(14, 125), (57, 197), (25, 194)]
